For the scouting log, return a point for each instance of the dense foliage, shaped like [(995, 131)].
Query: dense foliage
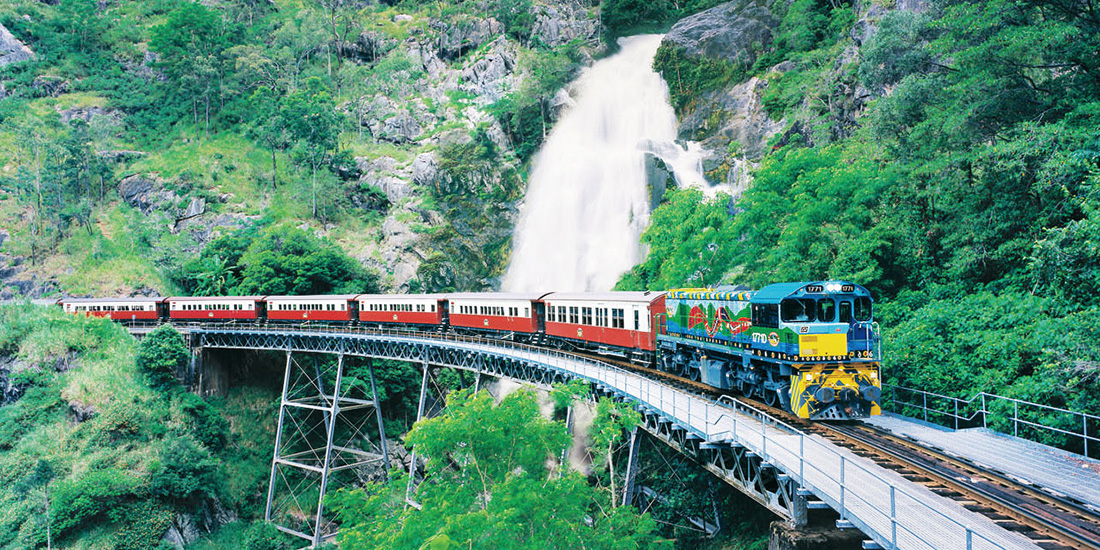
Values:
[(105, 456), (276, 260), (964, 196), (490, 483)]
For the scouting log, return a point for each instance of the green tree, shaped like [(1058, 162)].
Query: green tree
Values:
[(269, 127), (286, 260), (488, 485), (312, 126), (161, 355), (191, 45)]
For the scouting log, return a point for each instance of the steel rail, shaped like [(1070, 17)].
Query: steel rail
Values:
[(1066, 523)]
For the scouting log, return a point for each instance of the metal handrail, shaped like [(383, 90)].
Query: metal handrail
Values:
[(985, 411), (743, 420)]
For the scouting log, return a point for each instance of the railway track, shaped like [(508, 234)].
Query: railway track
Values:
[(1051, 521)]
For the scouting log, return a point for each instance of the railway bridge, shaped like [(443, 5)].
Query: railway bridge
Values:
[(787, 470)]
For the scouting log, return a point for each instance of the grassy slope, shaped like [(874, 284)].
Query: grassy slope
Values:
[(128, 434)]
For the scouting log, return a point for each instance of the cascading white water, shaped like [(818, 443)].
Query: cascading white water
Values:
[(587, 202)]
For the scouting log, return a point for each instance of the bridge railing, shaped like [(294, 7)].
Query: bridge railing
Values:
[(1070, 430), (878, 502)]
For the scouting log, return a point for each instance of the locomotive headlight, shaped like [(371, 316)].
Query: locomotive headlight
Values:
[(871, 393)]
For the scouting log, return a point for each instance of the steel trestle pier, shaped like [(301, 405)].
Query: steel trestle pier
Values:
[(784, 469)]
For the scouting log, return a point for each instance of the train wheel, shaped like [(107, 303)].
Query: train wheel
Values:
[(771, 397), (745, 388), (694, 374)]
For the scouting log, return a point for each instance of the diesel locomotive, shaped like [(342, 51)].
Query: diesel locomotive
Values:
[(811, 348)]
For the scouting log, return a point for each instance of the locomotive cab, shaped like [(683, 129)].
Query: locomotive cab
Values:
[(827, 332)]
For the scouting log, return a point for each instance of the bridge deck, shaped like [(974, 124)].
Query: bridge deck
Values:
[(925, 519), (895, 512), (1063, 472)]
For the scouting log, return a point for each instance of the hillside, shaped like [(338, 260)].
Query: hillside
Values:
[(945, 154), (133, 135)]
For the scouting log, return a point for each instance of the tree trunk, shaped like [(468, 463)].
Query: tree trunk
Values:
[(49, 543), (611, 471), (273, 167), (314, 191)]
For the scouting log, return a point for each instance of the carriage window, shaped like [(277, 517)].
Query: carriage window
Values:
[(637, 324), (845, 311), (574, 314), (618, 320), (586, 316), (826, 310), (797, 310), (766, 315)]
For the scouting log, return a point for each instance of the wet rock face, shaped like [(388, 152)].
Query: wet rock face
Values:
[(743, 120), (726, 32)]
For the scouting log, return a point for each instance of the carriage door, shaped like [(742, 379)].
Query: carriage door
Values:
[(444, 313), (540, 316)]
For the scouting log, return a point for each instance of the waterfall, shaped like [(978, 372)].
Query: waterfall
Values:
[(587, 202)]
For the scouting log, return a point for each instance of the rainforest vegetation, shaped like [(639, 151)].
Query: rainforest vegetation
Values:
[(964, 194), (948, 161)]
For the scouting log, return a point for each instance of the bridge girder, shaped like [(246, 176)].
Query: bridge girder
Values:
[(740, 467)]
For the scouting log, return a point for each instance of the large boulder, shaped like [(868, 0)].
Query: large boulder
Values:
[(464, 35), (84, 113), (145, 192), (11, 49), (558, 23), (49, 86), (400, 128), (425, 169), (729, 32), (384, 174), (491, 76)]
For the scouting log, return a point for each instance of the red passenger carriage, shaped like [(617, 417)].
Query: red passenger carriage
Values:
[(518, 312), (117, 309), (415, 309), (339, 307), (215, 308), (597, 320)]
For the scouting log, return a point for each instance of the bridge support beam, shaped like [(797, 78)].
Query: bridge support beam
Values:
[(631, 467), (324, 425), (786, 537)]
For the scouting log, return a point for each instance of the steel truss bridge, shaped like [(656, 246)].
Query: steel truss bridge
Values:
[(783, 469)]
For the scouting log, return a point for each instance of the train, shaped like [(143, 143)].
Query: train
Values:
[(811, 348)]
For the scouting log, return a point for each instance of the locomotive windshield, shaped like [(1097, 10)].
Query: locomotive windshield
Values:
[(863, 308), (798, 310), (841, 309)]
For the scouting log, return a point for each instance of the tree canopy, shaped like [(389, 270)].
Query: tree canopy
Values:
[(491, 481)]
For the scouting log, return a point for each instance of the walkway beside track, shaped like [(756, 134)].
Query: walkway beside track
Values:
[(891, 510), (1070, 474)]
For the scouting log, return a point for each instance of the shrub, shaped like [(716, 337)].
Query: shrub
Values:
[(161, 355)]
